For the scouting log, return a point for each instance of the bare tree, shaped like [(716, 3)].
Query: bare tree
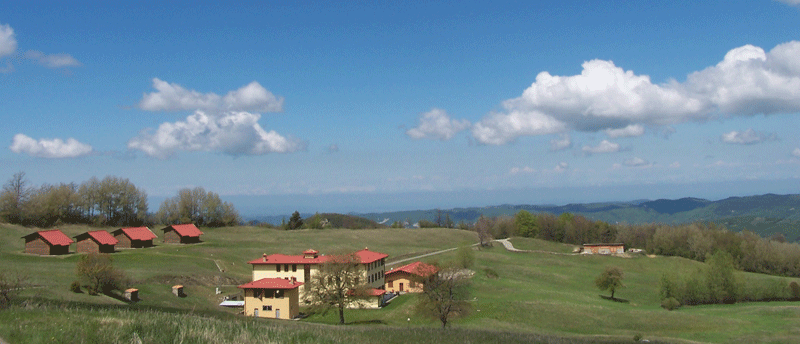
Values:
[(10, 285), (338, 283), (13, 198), (445, 295), (484, 227)]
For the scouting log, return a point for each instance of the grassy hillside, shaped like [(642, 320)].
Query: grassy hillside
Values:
[(537, 297)]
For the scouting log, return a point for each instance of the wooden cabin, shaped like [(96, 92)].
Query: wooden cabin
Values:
[(182, 234), (52, 242), (134, 237), (95, 242)]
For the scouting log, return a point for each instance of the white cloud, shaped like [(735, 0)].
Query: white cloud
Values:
[(604, 97), (561, 167), (8, 43), (173, 97), (791, 2), (747, 137), (49, 148), (233, 133), (603, 147), (796, 153), (436, 124), (632, 130), (53, 60), (526, 169), (561, 143), (675, 165), (637, 162)]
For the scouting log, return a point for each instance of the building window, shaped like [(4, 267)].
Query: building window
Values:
[(279, 294), (294, 267), (266, 308), (286, 267), (278, 268)]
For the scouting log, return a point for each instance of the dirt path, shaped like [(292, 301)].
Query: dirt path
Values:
[(424, 255), (507, 244)]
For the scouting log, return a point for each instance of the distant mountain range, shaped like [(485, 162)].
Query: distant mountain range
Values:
[(764, 214)]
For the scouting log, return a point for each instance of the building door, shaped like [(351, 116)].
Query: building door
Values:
[(401, 286), (277, 313), (255, 312)]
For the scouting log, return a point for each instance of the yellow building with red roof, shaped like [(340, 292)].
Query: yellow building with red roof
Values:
[(276, 298), (409, 278)]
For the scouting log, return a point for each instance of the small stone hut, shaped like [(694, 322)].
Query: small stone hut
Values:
[(52, 242), (95, 242), (182, 234), (603, 248)]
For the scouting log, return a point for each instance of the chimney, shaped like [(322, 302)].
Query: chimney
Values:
[(264, 258)]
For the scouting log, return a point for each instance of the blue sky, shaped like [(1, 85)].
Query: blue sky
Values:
[(370, 106)]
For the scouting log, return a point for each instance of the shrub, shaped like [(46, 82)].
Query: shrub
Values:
[(795, 288), (637, 337), (670, 303), (490, 273), (75, 287)]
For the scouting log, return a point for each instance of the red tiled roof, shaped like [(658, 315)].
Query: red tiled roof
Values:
[(272, 283), (185, 230), (278, 258), (376, 292), (417, 268), (138, 233), (366, 256), (54, 237), (102, 237)]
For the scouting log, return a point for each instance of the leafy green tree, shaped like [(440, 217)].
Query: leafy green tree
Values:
[(465, 256), (610, 279), (315, 222), (722, 283), (397, 224), (526, 223), (295, 222)]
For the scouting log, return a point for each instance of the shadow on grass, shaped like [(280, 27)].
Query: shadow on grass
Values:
[(614, 299), (367, 322)]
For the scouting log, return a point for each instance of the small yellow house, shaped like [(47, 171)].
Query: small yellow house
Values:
[(409, 278), (272, 298)]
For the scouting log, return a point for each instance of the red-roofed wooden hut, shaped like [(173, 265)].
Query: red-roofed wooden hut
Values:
[(52, 242), (134, 237), (182, 234), (95, 241)]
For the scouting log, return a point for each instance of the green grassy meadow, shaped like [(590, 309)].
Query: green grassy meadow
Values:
[(537, 297)]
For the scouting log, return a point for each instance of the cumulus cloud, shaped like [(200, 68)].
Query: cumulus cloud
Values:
[(747, 137), (437, 125), (605, 97), (174, 97), (49, 148), (53, 60), (233, 133), (561, 143), (636, 162), (632, 130), (603, 147), (8, 42)]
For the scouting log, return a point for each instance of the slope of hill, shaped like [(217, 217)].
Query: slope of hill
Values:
[(764, 214)]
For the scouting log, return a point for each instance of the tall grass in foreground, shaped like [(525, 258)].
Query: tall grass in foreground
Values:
[(74, 323)]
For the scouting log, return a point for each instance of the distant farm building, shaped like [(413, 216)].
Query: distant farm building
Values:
[(182, 234), (409, 278), (272, 298), (134, 237), (52, 242), (603, 248), (95, 242)]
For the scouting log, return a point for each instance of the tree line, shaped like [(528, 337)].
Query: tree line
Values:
[(749, 251), (111, 201)]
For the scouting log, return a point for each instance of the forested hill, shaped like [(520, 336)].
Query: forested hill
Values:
[(764, 214)]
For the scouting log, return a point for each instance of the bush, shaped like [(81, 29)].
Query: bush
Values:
[(75, 287), (670, 303), (637, 337), (490, 273)]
